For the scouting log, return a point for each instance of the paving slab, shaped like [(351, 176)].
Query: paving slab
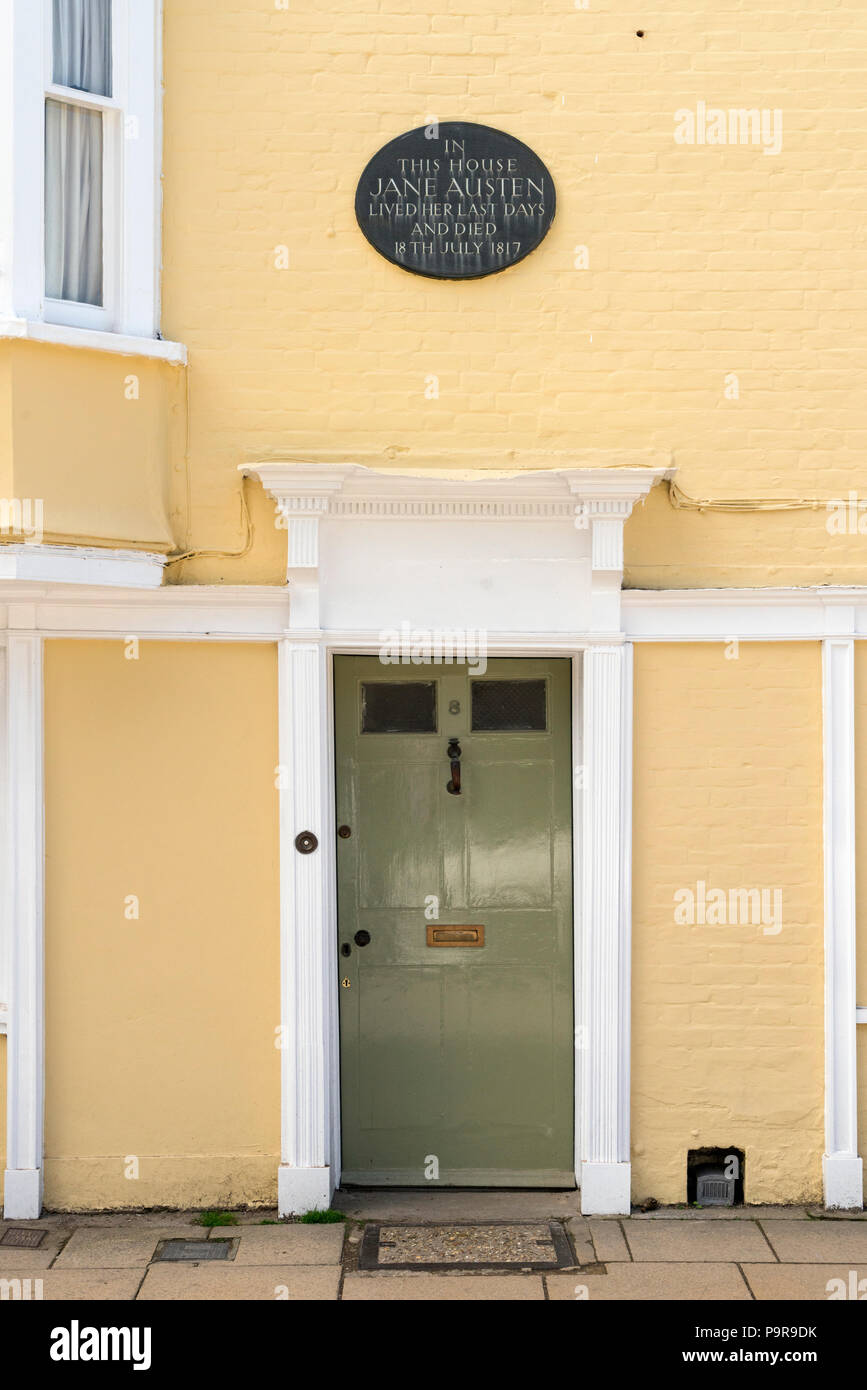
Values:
[(722, 1214), (438, 1288), (830, 1214), (15, 1257), (206, 1282), (702, 1242), (119, 1247), (58, 1285), (447, 1204), (692, 1282), (608, 1241), (815, 1283), (818, 1242), (579, 1230), (286, 1245), (75, 1220)]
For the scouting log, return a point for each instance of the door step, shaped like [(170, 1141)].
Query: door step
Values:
[(494, 1245)]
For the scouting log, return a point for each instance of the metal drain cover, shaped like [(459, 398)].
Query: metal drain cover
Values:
[(495, 1245), (23, 1238), (194, 1250)]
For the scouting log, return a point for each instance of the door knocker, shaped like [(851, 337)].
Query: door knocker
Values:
[(454, 756)]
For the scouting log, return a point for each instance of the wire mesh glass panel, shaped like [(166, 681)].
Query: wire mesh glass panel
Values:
[(515, 705), (399, 707)]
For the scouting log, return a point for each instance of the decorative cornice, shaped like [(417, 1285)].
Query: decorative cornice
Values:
[(353, 490)]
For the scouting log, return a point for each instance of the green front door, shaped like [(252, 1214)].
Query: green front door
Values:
[(455, 923)]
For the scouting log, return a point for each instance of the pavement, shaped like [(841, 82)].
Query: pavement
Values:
[(719, 1254)]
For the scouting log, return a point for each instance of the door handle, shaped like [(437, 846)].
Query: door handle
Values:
[(454, 756)]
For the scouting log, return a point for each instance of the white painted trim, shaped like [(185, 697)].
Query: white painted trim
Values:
[(499, 643), (861, 1013), (71, 564), (579, 777), (760, 615), (71, 607), (604, 1002), (222, 613), (96, 340), (842, 1166), (625, 868), (308, 931), (132, 169), (26, 1024), (22, 155)]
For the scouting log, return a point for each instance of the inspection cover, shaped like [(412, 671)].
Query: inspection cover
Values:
[(528, 1245), (194, 1250), (22, 1238)]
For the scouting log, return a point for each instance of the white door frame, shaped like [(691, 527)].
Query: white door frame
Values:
[(577, 516)]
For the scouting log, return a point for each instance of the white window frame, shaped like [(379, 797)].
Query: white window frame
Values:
[(132, 169)]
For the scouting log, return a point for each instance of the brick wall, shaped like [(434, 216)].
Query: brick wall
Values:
[(706, 263), (728, 1019)]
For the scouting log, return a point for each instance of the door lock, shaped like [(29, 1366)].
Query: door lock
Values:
[(362, 938), (454, 756)]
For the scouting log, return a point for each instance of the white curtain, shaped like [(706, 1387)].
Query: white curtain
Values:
[(82, 45), (73, 153), (73, 203)]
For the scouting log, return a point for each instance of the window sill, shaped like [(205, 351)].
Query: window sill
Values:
[(95, 339)]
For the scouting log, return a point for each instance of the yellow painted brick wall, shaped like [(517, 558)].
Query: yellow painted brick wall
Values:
[(160, 1031), (728, 1036), (703, 261), (6, 477), (90, 436)]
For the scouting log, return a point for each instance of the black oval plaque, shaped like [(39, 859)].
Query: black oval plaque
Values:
[(455, 200)]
